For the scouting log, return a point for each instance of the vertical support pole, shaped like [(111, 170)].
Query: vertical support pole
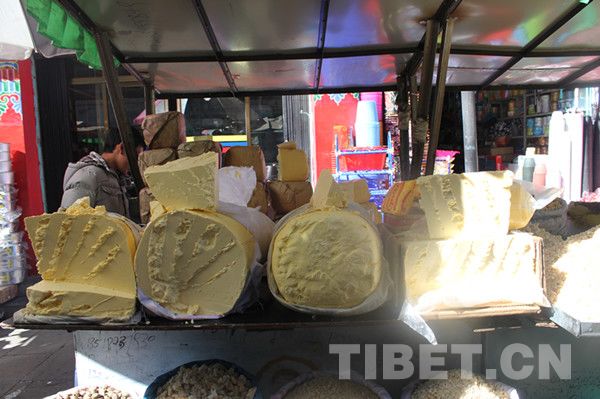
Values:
[(418, 142), (149, 99), (118, 105), (403, 151), (469, 122), (172, 104), (435, 123), (247, 120)]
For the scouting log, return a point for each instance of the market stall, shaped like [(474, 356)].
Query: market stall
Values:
[(271, 299)]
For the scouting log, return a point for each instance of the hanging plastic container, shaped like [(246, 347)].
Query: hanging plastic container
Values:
[(367, 124)]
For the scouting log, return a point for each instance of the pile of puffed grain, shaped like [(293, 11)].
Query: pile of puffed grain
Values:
[(329, 387), (213, 381), (457, 388), (103, 392), (572, 270)]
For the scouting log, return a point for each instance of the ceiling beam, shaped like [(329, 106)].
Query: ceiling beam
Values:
[(212, 39), (321, 42), (536, 41), (589, 67)]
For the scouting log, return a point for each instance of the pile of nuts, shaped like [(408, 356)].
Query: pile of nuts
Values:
[(329, 387), (104, 392), (213, 381), (456, 388)]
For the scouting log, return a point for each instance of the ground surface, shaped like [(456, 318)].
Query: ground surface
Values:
[(33, 364)]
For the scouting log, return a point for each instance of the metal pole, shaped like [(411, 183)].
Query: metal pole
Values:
[(435, 123), (149, 99), (172, 104), (469, 122), (247, 120), (431, 36), (118, 105)]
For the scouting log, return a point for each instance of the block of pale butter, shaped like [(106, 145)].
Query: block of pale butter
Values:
[(247, 156), (293, 163), (194, 262), (83, 248), (328, 193), (521, 206), (61, 298), (287, 196), (187, 183), (466, 273), (155, 157), (468, 205), (359, 189)]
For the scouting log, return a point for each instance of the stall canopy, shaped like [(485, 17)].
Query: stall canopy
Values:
[(187, 48)]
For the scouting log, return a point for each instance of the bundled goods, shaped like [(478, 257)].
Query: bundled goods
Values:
[(455, 247), (291, 190), (455, 387), (195, 148), (13, 262), (247, 156), (103, 392), (85, 257), (260, 198), (198, 258), (327, 256), (164, 130), (145, 198), (571, 275), (210, 379)]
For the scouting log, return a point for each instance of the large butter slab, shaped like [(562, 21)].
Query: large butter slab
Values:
[(50, 298), (359, 189), (293, 163), (468, 205), (85, 246), (155, 157), (187, 183), (326, 259), (465, 273), (194, 262)]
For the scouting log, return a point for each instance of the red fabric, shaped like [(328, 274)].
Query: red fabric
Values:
[(328, 114)]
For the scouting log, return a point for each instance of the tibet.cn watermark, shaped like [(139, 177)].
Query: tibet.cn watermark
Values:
[(397, 362)]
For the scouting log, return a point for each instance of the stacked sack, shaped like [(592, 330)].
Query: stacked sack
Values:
[(292, 189), (198, 257), (252, 156), (13, 266), (164, 134)]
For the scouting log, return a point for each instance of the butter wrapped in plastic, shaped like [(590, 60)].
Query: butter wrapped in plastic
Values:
[(522, 206)]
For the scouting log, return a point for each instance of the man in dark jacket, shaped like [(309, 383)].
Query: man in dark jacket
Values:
[(99, 176)]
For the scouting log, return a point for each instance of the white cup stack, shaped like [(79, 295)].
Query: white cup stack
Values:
[(13, 265)]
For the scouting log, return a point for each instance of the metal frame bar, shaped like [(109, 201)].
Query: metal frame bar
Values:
[(149, 99), (536, 41), (212, 39), (116, 98), (431, 36), (589, 67), (321, 42), (436, 120)]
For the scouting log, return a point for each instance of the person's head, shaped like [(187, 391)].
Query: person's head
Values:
[(114, 151)]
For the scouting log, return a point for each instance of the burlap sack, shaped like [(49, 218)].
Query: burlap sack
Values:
[(164, 130)]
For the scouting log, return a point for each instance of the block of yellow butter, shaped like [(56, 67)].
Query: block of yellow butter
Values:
[(293, 163), (464, 273), (327, 256), (194, 262), (86, 247), (371, 208), (61, 298), (187, 183), (328, 193), (155, 157), (468, 205), (521, 206)]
